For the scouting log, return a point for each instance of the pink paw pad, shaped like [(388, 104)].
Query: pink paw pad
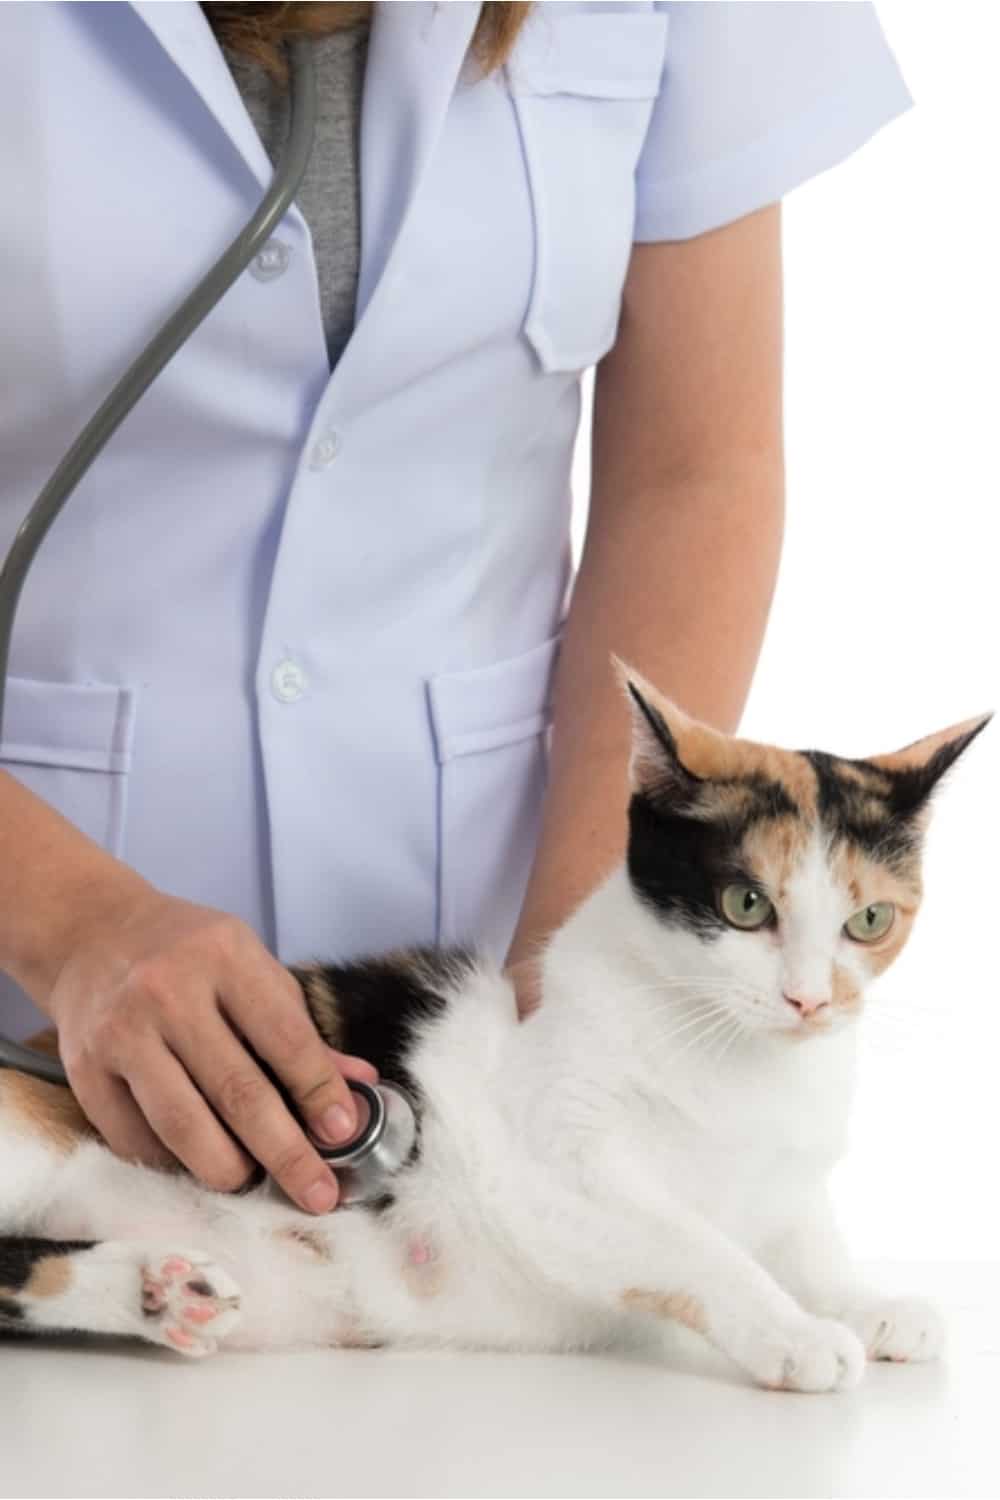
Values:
[(179, 1337), (180, 1295), (175, 1266), (202, 1312)]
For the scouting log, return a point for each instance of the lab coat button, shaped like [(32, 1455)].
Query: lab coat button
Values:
[(325, 451), (272, 261), (288, 682)]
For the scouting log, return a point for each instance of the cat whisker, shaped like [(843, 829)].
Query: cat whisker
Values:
[(738, 1030), (716, 981), (719, 991), (702, 1017), (710, 1026), (696, 1026)]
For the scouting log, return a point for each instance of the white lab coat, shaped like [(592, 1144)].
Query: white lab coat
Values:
[(289, 649)]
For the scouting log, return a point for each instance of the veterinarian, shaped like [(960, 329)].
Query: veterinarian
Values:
[(284, 671)]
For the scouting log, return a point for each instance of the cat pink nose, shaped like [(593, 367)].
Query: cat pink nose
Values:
[(806, 1005)]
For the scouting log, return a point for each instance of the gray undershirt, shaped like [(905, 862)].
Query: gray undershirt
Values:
[(330, 193)]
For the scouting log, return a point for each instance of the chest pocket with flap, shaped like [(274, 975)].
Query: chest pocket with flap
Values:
[(583, 86), (70, 743), (490, 732)]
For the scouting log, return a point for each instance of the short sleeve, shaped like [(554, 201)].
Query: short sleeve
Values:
[(755, 99)]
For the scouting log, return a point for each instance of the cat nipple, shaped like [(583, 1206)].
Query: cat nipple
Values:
[(418, 1251)]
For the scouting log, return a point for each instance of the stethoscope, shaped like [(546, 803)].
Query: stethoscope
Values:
[(387, 1139)]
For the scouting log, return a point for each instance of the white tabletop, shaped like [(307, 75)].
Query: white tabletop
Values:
[(124, 1421)]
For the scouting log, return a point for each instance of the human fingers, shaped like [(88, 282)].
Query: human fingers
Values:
[(269, 1009), (354, 1067), (246, 1099), (109, 1105), (179, 1113)]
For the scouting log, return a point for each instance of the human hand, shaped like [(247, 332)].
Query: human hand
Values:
[(157, 1007), (525, 975)]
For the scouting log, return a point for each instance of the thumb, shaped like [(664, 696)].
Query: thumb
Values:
[(354, 1067)]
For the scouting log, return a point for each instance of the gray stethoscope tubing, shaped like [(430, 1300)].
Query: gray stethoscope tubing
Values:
[(134, 383)]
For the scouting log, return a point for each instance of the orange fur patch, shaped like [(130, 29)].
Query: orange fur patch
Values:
[(715, 756), (48, 1110), (674, 1307), (918, 753), (321, 999), (868, 778), (867, 881), (852, 870), (772, 849), (846, 991), (49, 1277), (727, 802)]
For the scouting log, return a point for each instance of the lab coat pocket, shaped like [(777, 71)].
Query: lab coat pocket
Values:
[(490, 730), (70, 743), (583, 86)]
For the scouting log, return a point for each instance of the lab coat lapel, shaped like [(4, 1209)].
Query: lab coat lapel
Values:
[(183, 32), (415, 56)]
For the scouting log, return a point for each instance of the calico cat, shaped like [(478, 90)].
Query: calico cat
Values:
[(651, 1146)]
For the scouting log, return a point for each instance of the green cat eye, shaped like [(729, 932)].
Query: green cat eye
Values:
[(871, 922), (745, 906)]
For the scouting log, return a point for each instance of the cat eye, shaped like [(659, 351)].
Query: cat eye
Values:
[(745, 906), (871, 922)]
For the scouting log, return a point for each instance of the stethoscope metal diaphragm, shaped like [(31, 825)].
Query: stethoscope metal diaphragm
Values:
[(365, 1165)]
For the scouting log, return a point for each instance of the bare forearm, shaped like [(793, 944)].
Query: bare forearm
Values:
[(53, 881), (683, 537), (680, 589)]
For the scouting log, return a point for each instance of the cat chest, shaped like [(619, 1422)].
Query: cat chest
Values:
[(750, 1192)]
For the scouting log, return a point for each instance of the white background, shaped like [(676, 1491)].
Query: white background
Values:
[(881, 631), (885, 621)]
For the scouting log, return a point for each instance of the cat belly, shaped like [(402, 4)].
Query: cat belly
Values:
[(432, 1292)]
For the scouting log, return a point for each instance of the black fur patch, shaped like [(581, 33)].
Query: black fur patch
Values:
[(677, 863), (378, 1002), (911, 788), (19, 1255), (867, 813), (661, 731), (371, 1009), (769, 800)]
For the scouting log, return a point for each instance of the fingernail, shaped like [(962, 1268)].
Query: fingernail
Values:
[(321, 1197), (336, 1124)]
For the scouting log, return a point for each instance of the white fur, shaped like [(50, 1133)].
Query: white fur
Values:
[(661, 1129)]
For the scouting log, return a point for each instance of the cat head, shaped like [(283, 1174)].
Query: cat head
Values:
[(793, 877)]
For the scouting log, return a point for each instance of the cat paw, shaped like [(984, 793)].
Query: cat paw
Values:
[(906, 1329), (188, 1302), (816, 1354)]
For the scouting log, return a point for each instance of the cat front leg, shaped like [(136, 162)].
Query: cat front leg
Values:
[(813, 1263), (673, 1266), (179, 1299)]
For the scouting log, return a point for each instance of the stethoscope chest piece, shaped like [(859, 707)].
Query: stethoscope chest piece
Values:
[(366, 1165)]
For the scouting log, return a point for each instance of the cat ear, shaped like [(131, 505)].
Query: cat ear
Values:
[(917, 768), (659, 729)]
